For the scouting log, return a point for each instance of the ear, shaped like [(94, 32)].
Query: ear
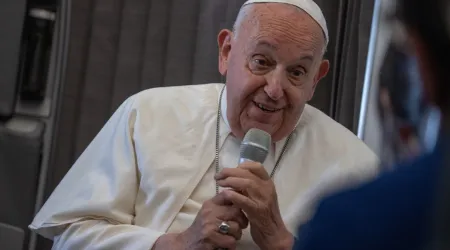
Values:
[(321, 73), (224, 42)]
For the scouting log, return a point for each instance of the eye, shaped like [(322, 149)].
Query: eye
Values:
[(259, 62), (299, 72)]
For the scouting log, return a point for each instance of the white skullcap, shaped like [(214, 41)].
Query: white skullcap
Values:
[(309, 6)]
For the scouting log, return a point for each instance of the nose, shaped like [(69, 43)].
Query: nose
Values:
[(274, 87)]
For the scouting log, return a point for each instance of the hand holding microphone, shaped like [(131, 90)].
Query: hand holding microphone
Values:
[(204, 233), (219, 223), (252, 190)]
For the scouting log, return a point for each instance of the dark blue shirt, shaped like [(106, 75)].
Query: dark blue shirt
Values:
[(392, 212)]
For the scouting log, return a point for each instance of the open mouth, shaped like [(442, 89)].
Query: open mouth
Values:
[(265, 108)]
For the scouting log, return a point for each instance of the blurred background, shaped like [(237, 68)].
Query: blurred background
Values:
[(65, 66)]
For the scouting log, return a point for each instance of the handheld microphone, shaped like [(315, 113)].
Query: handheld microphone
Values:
[(254, 147)]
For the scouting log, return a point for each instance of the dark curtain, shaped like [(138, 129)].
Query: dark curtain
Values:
[(339, 94), (119, 47)]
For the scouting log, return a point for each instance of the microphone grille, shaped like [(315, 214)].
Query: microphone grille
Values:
[(255, 145)]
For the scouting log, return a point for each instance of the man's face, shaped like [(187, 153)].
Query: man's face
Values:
[(272, 64)]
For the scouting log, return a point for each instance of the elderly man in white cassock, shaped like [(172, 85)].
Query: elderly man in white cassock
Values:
[(163, 172)]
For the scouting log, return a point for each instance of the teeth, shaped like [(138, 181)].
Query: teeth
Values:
[(265, 108)]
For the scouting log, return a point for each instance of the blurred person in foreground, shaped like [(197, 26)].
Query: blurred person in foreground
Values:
[(151, 179), (406, 208)]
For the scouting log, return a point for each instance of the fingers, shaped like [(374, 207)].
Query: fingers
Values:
[(218, 240), (236, 183), (235, 229), (241, 219), (238, 200), (220, 208), (234, 214), (211, 238), (229, 240), (220, 200), (234, 172), (256, 169), (247, 170), (226, 212)]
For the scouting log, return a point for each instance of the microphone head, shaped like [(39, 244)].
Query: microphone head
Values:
[(255, 146)]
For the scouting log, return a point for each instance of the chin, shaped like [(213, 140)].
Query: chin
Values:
[(269, 128)]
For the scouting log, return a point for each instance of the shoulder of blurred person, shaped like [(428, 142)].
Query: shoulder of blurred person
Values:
[(391, 212), (397, 210)]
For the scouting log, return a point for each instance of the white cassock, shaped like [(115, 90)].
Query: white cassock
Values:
[(151, 167)]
